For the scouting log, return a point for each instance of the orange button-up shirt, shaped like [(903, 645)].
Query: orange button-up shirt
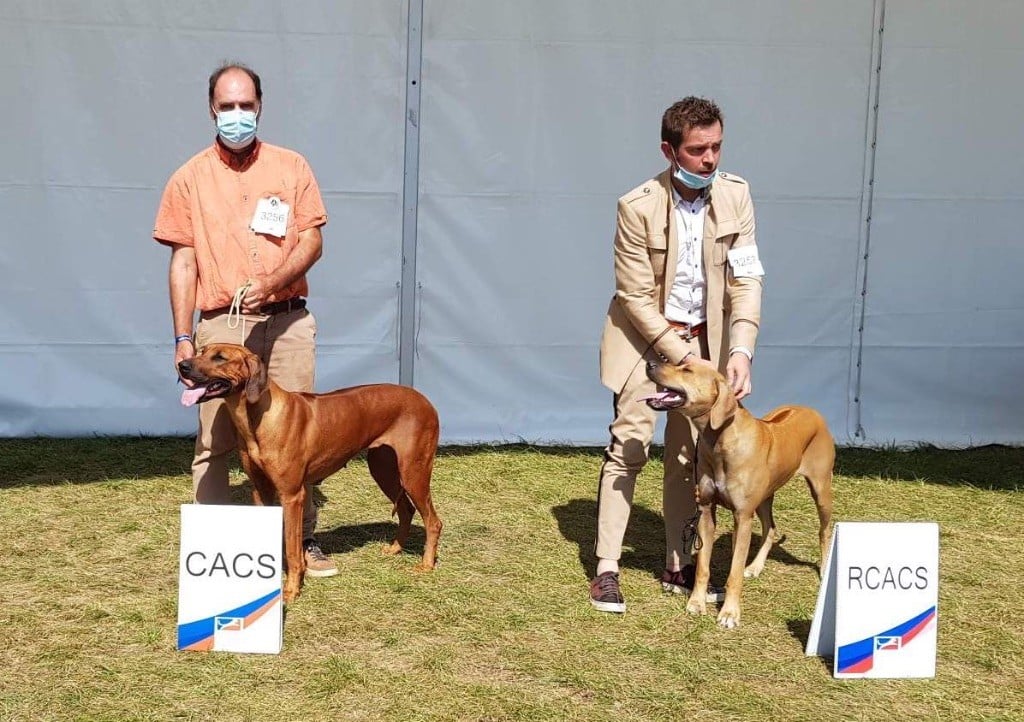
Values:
[(209, 204)]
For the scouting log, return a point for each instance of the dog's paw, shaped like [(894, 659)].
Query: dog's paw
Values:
[(753, 571), (290, 595), (390, 550), (423, 567), (729, 618), (696, 606)]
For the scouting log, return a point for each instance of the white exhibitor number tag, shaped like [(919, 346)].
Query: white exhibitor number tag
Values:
[(745, 263), (271, 217)]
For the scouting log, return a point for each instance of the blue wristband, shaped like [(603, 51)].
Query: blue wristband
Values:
[(183, 337)]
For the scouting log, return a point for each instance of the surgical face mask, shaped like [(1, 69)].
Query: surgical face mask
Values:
[(236, 128), (692, 180)]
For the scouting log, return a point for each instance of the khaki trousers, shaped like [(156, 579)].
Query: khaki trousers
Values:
[(286, 343), (632, 431)]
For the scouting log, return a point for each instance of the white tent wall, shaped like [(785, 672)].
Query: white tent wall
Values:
[(535, 116), (944, 322), (103, 100), (538, 115)]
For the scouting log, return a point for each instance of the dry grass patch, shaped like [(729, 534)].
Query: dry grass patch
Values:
[(502, 630)]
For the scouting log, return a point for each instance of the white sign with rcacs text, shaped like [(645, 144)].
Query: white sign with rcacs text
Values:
[(877, 609), (229, 579)]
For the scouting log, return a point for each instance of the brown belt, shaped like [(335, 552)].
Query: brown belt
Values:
[(270, 309), (687, 331)]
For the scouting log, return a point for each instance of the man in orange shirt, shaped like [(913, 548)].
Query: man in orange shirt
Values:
[(242, 219)]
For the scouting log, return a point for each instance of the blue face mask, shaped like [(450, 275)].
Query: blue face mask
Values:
[(692, 180), (236, 128)]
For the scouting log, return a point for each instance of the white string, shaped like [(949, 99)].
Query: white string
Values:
[(235, 309)]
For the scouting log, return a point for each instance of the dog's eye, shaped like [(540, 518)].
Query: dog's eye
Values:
[(218, 357)]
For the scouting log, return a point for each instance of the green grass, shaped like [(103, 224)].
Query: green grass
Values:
[(502, 630)]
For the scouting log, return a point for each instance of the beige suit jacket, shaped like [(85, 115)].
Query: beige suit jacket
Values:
[(646, 253)]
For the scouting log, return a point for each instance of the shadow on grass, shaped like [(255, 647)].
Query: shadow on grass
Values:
[(992, 467), (518, 448), (343, 539), (644, 543), (801, 630), (49, 461), (348, 538), (46, 461)]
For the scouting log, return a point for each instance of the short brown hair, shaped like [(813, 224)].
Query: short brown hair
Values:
[(690, 112), (215, 76)]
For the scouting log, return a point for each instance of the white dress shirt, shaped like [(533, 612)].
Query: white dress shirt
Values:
[(686, 299)]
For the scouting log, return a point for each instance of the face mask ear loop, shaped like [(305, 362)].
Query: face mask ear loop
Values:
[(235, 317)]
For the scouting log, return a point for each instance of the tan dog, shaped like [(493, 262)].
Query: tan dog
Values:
[(287, 440), (741, 462)]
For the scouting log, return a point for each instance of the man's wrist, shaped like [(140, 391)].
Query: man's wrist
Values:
[(182, 337), (743, 350)]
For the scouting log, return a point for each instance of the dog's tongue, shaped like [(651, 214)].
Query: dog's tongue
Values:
[(189, 397)]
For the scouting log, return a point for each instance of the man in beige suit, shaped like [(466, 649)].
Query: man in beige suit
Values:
[(687, 282)]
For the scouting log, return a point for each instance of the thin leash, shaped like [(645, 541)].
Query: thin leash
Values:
[(235, 316), (651, 344), (691, 538)]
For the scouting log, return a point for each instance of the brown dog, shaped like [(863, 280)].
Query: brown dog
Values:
[(741, 462), (287, 440)]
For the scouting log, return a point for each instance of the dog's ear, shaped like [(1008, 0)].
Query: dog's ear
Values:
[(257, 382), (725, 405)]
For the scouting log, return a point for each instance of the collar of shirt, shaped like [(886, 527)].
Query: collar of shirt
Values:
[(695, 205), (237, 161)]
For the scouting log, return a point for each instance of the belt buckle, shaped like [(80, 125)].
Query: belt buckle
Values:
[(686, 333)]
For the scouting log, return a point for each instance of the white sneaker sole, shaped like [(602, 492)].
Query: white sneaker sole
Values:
[(321, 573), (613, 607)]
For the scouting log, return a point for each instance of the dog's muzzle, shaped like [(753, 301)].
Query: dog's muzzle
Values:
[(665, 400), (204, 389)]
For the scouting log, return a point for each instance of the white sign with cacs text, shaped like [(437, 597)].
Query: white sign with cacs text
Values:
[(229, 578), (878, 602)]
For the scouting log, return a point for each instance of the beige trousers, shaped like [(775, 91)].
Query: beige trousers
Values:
[(632, 431), (286, 343)]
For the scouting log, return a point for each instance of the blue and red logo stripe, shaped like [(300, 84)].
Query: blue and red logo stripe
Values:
[(198, 635), (860, 656)]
